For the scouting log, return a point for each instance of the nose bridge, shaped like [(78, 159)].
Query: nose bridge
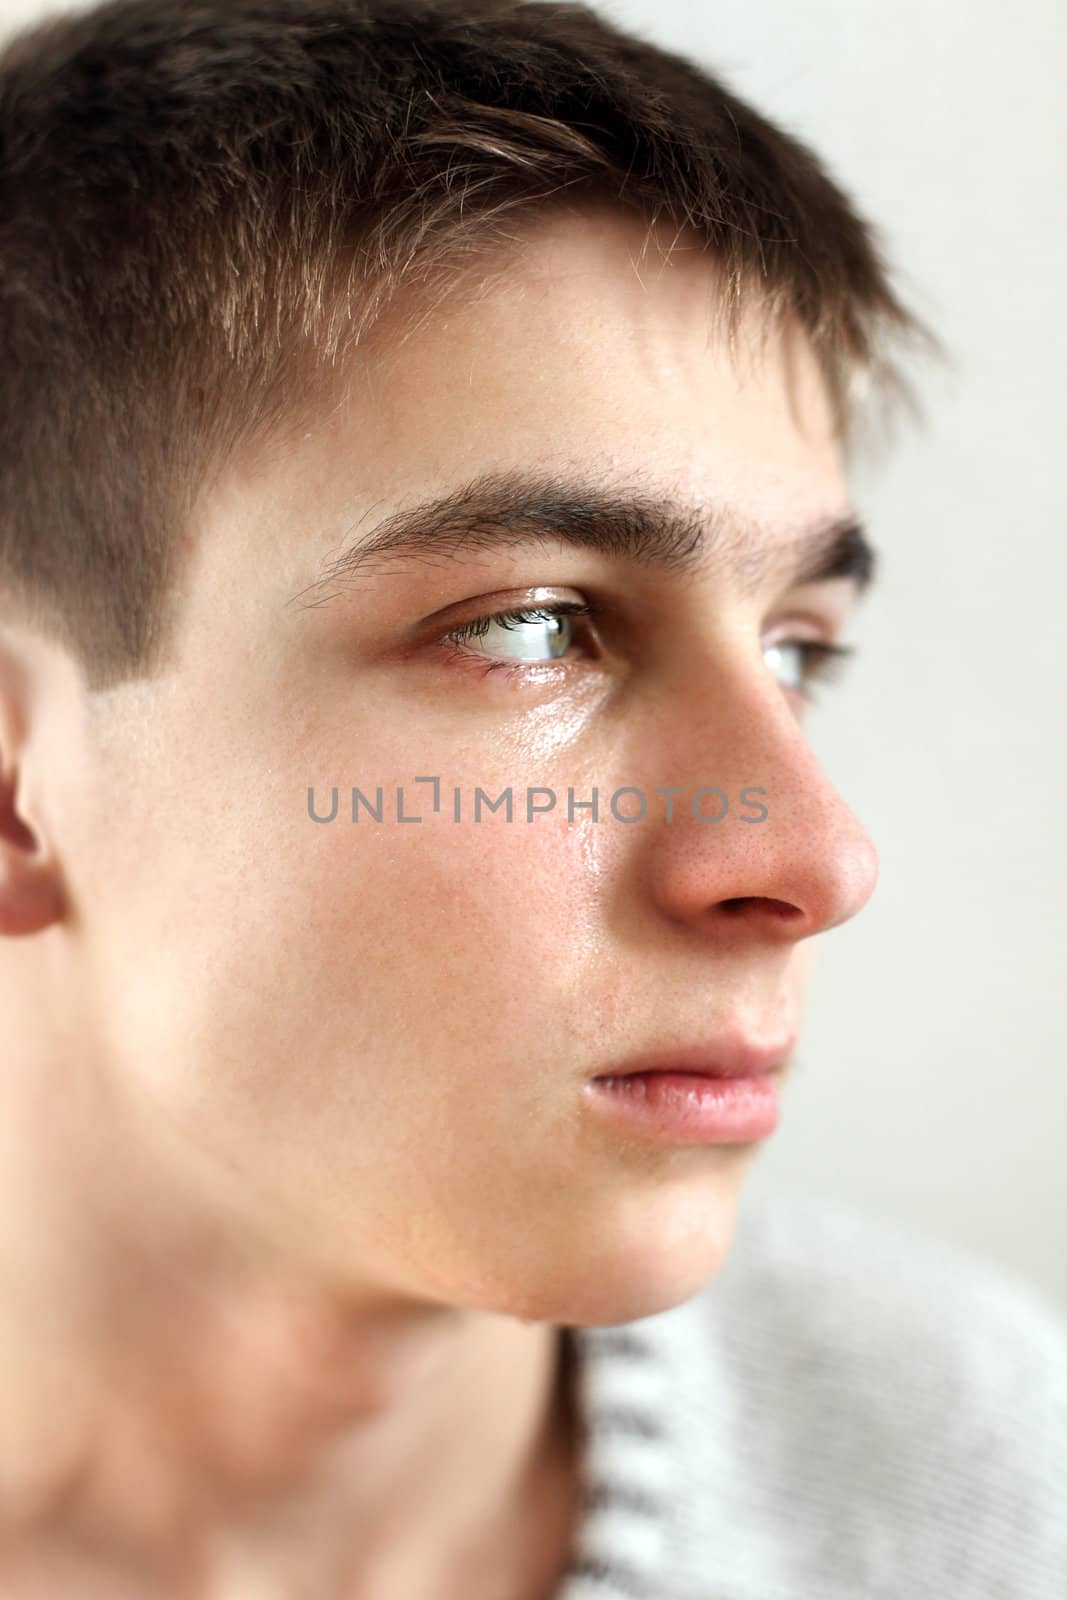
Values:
[(786, 848)]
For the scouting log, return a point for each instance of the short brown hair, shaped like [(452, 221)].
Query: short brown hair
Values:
[(194, 197)]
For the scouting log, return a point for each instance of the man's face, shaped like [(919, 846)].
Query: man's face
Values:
[(378, 1033)]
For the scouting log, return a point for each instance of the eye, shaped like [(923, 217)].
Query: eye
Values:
[(799, 663), (540, 634)]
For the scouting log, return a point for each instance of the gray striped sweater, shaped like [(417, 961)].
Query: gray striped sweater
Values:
[(843, 1413)]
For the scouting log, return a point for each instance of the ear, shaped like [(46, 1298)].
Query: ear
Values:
[(31, 887)]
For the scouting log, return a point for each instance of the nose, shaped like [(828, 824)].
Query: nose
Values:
[(806, 866)]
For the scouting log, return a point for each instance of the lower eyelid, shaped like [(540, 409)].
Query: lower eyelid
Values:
[(457, 658)]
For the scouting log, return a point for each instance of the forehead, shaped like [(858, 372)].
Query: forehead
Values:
[(593, 344), (599, 336)]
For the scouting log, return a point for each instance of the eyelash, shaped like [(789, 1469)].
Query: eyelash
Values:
[(479, 626), (823, 662)]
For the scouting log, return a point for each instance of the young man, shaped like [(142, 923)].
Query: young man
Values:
[(407, 403)]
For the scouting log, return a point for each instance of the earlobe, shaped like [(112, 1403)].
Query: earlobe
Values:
[(29, 902), (31, 895)]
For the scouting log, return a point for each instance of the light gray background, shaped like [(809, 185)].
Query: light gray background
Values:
[(931, 1087)]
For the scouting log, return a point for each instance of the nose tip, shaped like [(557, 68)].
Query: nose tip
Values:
[(846, 876), (823, 862), (805, 865), (809, 865)]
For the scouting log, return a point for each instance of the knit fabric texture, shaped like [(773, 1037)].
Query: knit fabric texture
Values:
[(845, 1412)]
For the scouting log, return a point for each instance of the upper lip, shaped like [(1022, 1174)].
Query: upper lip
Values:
[(718, 1058)]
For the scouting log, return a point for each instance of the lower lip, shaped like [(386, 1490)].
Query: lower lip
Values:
[(686, 1108)]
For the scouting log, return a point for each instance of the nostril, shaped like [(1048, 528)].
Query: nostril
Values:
[(738, 903)]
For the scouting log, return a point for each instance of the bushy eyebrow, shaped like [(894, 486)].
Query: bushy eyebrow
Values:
[(504, 510)]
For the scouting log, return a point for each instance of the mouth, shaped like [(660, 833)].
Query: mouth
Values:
[(737, 1058), (722, 1093)]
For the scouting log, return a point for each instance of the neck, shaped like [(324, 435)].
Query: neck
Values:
[(181, 1393)]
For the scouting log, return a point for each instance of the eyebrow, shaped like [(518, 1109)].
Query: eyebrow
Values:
[(504, 510)]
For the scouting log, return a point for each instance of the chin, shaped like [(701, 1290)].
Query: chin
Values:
[(652, 1283), (619, 1275)]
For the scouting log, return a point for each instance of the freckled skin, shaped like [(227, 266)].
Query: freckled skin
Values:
[(370, 1042)]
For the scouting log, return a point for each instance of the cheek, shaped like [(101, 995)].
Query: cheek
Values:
[(468, 929), (281, 950), (380, 975)]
